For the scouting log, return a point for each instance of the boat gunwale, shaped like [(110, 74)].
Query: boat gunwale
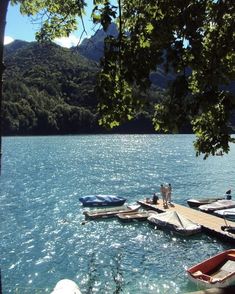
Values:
[(206, 277)]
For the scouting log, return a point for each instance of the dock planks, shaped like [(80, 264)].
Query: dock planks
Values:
[(210, 224)]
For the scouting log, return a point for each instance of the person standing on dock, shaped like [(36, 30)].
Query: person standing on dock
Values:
[(169, 191), (163, 194)]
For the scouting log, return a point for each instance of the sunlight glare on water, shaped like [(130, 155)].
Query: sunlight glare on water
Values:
[(42, 236)]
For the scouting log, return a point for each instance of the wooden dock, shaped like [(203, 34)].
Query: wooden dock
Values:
[(211, 224)]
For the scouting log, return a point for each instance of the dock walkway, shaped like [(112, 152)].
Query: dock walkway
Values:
[(211, 224)]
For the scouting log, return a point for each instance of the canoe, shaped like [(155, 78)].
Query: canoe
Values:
[(175, 222), (110, 212), (102, 200), (133, 216), (217, 271), (227, 213), (198, 202), (220, 204)]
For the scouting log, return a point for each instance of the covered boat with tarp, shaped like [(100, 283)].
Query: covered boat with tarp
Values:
[(227, 213), (215, 272), (102, 200), (175, 222), (218, 205), (197, 202)]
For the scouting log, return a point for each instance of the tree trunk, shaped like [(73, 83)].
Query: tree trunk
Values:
[(3, 14)]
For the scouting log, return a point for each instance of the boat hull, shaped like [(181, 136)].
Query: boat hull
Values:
[(217, 271), (217, 205), (107, 213), (101, 200), (226, 213), (202, 284), (174, 222), (132, 216), (198, 202)]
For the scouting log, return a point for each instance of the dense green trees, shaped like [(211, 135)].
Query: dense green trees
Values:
[(193, 39), (51, 90), (48, 90)]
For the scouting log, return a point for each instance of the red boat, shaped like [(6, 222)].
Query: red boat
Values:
[(217, 271)]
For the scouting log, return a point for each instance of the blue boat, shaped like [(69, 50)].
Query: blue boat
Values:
[(102, 200)]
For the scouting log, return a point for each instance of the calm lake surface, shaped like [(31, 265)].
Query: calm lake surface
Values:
[(42, 236)]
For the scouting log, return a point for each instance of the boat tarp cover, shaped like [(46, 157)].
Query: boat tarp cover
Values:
[(226, 212), (220, 204), (101, 198), (175, 219)]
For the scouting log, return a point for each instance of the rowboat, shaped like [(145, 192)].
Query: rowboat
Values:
[(217, 271), (220, 204), (198, 202), (133, 216), (175, 222), (110, 212), (102, 200)]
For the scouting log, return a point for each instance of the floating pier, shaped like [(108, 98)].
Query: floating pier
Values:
[(211, 224)]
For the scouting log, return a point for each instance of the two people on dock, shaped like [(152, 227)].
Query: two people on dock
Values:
[(166, 192)]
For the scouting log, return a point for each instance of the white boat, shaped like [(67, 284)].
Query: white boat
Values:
[(173, 221), (133, 216), (202, 201), (217, 271), (227, 213), (66, 286), (217, 205), (110, 212)]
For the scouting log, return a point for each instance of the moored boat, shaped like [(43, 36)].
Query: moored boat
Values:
[(133, 216), (227, 213), (102, 200), (217, 205), (110, 212), (175, 222), (202, 201), (217, 271)]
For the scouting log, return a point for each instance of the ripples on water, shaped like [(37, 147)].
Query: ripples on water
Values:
[(42, 236)]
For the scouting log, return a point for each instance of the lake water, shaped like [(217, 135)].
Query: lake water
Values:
[(42, 236)]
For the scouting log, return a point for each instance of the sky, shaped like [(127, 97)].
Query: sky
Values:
[(22, 28)]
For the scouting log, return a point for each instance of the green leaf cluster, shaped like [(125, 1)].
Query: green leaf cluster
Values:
[(193, 40)]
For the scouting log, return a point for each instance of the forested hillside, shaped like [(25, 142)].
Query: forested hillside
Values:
[(47, 90), (51, 90)]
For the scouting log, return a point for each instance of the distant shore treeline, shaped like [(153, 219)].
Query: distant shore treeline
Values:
[(51, 90)]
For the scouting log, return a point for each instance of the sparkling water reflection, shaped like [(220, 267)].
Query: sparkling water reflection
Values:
[(42, 236)]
